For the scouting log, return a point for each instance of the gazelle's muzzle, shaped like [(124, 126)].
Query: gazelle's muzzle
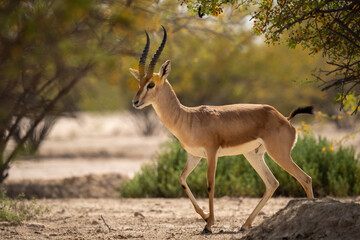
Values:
[(138, 100), (135, 103)]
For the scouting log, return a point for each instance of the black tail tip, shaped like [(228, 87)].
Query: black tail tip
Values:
[(306, 110)]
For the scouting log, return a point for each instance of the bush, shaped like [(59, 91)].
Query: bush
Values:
[(17, 210), (334, 172)]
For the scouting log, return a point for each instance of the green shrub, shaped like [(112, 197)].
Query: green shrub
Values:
[(18, 210), (334, 172)]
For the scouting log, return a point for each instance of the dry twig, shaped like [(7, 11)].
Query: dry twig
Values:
[(107, 225)]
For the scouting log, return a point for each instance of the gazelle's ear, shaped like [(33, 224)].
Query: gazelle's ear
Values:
[(135, 73), (165, 69)]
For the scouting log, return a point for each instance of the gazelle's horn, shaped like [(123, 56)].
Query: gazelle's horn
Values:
[(156, 56), (144, 56)]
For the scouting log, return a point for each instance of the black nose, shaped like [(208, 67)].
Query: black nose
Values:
[(136, 102)]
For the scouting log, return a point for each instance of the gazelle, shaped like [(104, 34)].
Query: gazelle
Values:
[(214, 131)]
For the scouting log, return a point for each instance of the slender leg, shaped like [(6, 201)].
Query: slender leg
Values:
[(256, 159), (290, 166), (191, 163), (281, 154), (211, 169)]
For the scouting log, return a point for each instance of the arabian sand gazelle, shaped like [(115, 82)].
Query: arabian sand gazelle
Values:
[(214, 131)]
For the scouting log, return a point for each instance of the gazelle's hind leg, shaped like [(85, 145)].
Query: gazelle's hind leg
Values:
[(256, 159), (279, 148)]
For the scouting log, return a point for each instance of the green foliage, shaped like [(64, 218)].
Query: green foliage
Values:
[(349, 102), (334, 172), (18, 210)]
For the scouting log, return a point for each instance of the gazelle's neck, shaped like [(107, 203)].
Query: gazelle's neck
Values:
[(168, 108)]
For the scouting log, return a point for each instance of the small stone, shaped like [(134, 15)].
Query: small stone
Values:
[(6, 224), (345, 222), (301, 236), (331, 222), (120, 237), (61, 211), (36, 225), (138, 214), (267, 229)]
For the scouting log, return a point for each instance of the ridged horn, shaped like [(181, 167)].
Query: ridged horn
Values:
[(144, 56), (156, 56)]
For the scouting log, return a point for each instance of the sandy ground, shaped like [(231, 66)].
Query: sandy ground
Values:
[(138, 219), (176, 219)]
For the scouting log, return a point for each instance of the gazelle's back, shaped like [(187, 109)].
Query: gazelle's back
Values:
[(232, 125)]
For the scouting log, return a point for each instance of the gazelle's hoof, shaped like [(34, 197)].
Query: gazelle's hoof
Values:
[(244, 228), (206, 231)]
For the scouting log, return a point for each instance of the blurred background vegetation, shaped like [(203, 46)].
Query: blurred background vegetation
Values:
[(59, 57)]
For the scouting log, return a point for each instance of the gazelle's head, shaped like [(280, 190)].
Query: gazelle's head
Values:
[(150, 83)]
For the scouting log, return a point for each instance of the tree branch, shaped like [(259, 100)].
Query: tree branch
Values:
[(61, 93), (302, 18), (344, 26)]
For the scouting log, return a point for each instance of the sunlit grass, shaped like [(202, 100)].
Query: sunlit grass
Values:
[(17, 210)]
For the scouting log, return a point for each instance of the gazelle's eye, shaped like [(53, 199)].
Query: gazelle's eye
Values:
[(150, 85)]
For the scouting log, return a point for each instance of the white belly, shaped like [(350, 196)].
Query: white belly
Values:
[(198, 152), (230, 151), (239, 149)]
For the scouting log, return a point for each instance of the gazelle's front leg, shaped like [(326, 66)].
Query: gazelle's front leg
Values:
[(211, 169), (191, 163)]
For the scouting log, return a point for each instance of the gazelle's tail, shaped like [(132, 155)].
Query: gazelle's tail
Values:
[(308, 110)]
